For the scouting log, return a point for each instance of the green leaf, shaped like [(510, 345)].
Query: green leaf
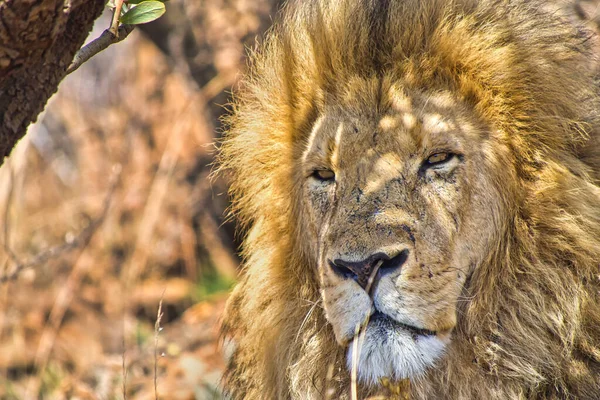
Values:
[(144, 12)]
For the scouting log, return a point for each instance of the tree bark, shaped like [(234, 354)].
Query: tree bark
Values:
[(38, 39)]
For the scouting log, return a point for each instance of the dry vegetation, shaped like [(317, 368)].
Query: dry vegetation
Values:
[(132, 132), (115, 171)]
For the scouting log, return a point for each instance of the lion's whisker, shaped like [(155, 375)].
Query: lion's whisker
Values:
[(305, 320)]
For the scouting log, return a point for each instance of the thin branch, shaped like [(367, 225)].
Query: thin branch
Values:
[(115, 19), (81, 240), (97, 45)]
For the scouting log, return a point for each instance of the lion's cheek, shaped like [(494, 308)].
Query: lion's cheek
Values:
[(437, 312), (346, 308), (423, 302)]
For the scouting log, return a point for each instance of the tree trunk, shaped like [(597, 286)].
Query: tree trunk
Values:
[(38, 39)]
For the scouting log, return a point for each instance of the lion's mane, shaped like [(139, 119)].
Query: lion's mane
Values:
[(531, 325)]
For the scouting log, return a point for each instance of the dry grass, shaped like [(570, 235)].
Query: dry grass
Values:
[(80, 281), (157, 329)]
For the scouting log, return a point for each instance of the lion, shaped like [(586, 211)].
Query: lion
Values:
[(419, 187)]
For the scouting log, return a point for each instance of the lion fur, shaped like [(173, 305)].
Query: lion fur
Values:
[(531, 327)]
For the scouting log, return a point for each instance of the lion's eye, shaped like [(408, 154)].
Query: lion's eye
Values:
[(324, 175), (443, 161), (438, 158)]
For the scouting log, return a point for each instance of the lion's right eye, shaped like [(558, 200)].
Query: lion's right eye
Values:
[(324, 175)]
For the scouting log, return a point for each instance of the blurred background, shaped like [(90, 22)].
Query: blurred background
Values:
[(108, 215), (113, 179)]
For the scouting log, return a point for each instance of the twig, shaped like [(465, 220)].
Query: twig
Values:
[(81, 240), (124, 371), (372, 278), (157, 329), (359, 336), (97, 45), (115, 19), (401, 390)]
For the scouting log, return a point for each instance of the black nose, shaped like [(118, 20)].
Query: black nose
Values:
[(360, 271)]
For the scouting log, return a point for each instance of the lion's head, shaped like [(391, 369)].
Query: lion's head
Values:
[(407, 181), (426, 174)]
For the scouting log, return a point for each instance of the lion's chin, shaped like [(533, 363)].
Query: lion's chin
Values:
[(392, 350)]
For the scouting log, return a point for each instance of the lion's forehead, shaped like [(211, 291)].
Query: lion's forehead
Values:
[(381, 136)]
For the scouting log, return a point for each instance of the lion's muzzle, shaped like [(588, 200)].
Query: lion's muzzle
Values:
[(360, 271)]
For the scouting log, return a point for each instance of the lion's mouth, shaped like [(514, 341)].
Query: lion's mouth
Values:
[(384, 321)]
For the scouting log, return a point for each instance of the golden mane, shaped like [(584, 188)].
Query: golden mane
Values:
[(531, 327)]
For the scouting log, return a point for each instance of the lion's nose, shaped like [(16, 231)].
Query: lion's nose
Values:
[(360, 271)]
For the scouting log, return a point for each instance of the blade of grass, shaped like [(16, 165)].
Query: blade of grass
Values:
[(157, 329), (359, 336)]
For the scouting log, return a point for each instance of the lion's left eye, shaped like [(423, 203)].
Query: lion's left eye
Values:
[(438, 158), (440, 161)]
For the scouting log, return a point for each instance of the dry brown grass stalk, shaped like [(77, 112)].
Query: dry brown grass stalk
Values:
[(124, 370), (359, 336), (157, 330)]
